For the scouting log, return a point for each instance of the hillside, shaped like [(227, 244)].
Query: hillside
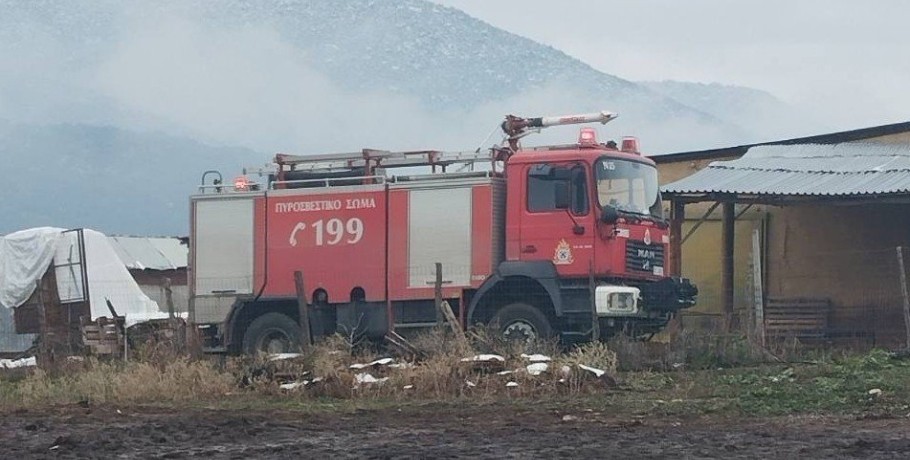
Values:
[(118, 181), (761, 114), (112, 95)]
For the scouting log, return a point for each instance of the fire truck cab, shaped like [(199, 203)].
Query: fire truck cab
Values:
[(563, 241)]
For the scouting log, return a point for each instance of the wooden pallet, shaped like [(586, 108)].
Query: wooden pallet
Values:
[(800, 318), (103, 336)]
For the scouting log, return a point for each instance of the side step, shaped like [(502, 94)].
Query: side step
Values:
[(415, 325)]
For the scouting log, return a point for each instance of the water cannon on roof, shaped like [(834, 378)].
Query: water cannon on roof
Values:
[(517, 127)]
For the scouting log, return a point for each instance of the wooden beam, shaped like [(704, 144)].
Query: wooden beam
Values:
[(727, 267), (437, 294), (44, 347), (758, 290), (905, 292), (305, 336), (700, 221), (740, 214), (677, 217)]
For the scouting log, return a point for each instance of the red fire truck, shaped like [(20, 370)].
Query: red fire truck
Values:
[(545, 241)]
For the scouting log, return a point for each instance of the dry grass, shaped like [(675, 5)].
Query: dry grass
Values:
[(161, 375), (442, 375), (136, 382)]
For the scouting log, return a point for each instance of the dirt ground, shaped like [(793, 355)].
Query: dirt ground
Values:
[(497, 431)]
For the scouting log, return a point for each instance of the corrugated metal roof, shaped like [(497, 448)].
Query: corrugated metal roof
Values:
[(810, 169), (855, 135), (145, 253)]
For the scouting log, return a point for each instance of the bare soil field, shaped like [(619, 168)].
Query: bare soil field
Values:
[(500, 430)]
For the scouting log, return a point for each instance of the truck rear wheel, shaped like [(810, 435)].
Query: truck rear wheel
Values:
[(272, 333), (520, 321)]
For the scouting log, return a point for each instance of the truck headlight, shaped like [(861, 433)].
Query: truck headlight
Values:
[(616, 300)]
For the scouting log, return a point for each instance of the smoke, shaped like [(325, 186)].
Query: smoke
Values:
[(249, 87), (169, 71), (126, 116)]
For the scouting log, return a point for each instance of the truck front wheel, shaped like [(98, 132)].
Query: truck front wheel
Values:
[(271, 333), (520, 321)]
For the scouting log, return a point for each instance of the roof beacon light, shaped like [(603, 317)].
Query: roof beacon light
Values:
[(241, 184), (587, 137), (630, 145)]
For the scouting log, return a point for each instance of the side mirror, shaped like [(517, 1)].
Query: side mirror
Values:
[(609, 214), (561, 195)]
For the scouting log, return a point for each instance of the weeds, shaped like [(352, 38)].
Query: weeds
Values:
[(866, 382), (136, 382), (690, 374)]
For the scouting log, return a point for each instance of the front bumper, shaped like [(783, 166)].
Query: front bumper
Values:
[(665, 296), (669, 294)]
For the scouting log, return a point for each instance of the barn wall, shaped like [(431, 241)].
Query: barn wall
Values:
[(846, 254)]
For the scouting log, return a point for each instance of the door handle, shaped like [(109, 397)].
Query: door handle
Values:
[(529, 249)]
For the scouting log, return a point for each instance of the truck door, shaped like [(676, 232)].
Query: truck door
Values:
[(556, 221)]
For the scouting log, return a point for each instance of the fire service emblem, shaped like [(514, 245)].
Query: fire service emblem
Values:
[(563, 255), (647, 236)]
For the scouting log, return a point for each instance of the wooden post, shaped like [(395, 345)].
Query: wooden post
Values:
[(677, 217), (904, 290), (305, 338), (758, 286), (43, 346), (727, 265), (169, 298), (438, 294), (454, 324)]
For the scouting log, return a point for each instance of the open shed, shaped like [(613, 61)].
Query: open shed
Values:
[(827, 254), (159, 266)]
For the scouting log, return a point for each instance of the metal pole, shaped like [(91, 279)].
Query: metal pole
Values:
[(728, 266), (906, 294), (305, 339)]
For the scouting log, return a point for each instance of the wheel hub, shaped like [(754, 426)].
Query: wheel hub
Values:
[(275, 342), (520, 330)]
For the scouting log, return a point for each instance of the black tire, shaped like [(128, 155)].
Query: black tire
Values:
[(272, 333), (521, 321)]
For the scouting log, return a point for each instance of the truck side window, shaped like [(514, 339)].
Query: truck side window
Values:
[(542, 180), (541, 194)]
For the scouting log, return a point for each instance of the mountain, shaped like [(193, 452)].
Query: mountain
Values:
[(106, 178), (119, 106), (762, 114)]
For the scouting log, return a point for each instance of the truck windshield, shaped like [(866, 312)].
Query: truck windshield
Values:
[(629, 186)]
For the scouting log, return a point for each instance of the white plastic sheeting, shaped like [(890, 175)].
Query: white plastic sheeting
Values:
[(15, 363), (25, 256)]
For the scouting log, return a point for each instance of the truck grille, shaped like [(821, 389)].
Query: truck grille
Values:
[(643, 258)]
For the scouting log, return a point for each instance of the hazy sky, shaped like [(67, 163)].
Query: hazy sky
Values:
[(846, 58)]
